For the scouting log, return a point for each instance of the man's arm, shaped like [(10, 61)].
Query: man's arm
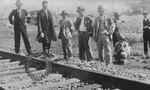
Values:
[(76, 24), (110, 28), (11, 17), (70, 27), (89, 26), (95, 28), (26, 16), (54, 36), (39, 22)]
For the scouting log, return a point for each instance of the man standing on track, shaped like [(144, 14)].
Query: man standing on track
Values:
[(19, 23), (103, 29), (84, 27), (65, 34), (46, 31)]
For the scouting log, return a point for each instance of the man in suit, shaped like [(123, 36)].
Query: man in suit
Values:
[(103, 29), (19, 23), (65, 35), (46, 31), (84, 27)]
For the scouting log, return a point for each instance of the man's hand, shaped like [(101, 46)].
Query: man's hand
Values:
[(42, 35), (105, 32)]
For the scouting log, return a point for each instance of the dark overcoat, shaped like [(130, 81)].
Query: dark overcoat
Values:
[(45, 25)]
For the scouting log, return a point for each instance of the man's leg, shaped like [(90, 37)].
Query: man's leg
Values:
[(100, 49), (87, 46), (48, 47), (81, 47), (64, 48), (44, 47), (69, 47), (17, 40), (107, 50), (26, 42), (145, 46)]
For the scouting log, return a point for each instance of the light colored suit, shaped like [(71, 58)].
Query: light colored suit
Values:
[(102, 35)]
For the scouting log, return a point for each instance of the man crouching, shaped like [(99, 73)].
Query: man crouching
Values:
[(121, 51)]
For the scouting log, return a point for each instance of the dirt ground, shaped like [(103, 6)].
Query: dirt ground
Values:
[(135, 61)]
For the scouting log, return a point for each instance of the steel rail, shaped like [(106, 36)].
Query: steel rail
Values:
[(104, 79)]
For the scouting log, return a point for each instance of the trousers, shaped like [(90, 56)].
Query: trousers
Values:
[(67, 47), (17, 36), (104, 45), (46, 46), (85, 52)]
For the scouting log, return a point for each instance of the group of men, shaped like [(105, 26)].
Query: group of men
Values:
[(102, 30)]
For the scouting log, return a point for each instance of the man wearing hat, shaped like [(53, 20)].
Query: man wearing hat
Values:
[(103, 29), (46, 32), (20, 16), (84, 27), (146, 33), (65, 35)]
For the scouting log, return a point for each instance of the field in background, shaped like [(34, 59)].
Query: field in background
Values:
[(70, 6)]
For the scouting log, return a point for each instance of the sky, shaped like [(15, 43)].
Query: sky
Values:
[(69, 5)]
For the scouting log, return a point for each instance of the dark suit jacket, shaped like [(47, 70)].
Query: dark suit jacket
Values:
[(46, 26), (18, 22), (87, 24)]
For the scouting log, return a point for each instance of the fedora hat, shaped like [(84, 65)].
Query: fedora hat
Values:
[(64, 13), (79, 8), (19, 2), (101, 7), (45, 1)]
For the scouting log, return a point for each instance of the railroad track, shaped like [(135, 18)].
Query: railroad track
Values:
[(96, 79), (13, 76)]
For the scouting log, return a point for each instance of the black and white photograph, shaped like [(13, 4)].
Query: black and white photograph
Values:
[(74, 44)]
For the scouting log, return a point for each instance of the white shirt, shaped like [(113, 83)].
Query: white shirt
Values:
[(19, 12), (46, 12), (82, 27)]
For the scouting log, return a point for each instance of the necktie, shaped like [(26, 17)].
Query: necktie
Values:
[(19, 12), (65, 28), (46, 12)]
